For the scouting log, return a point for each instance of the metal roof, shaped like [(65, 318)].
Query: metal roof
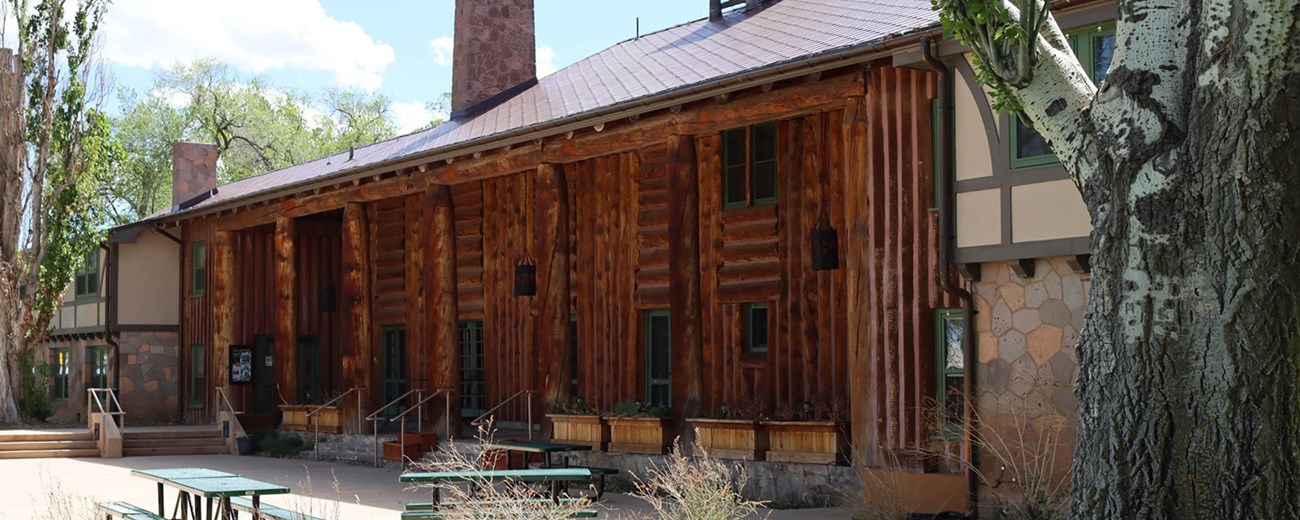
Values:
[(670, 62)]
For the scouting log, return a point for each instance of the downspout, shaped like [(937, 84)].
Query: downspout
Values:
[(947, 242), (110, 311), (181, 348)]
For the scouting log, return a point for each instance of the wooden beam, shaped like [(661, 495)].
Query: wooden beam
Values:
[(862, 411), (417, 347), (223, 311), (555, 369), (441, 309), (357, 357), (684, 277), (286, 324)]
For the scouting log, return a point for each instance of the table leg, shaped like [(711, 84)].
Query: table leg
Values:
[(162, 505), (211, 513), (257, 507), (183, 503), (196, 506)]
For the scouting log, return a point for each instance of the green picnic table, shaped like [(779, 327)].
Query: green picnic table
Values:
[(210, 484), (476, 477)]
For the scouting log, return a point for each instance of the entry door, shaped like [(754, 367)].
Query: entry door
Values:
[(263, 374), (659, 369), (309, 375), (471, 369), (394, 341)]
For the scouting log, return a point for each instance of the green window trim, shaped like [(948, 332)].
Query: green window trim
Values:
[(198, 376), (60, 361), (86, 284), (199, 268), (1084, 42), (759, 154), (946, 372), (97, 358), (753, 345)]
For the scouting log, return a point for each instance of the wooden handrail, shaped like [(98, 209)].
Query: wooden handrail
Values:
[(529, 393)]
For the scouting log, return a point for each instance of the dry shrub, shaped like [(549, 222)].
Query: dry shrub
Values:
[(308, 502), (61, 503), (880, 497), (509, 501), (695, 488), (1027, 483)]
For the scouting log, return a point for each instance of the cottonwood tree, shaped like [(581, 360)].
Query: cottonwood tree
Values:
[(1188, 157), (53, 149)]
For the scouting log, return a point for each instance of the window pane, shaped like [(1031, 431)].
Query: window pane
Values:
[(1103, 49), (659, 347), (952, 332), (765, 181), (1028, 142), (733, 166), (757, 328), (735, 184), (953, 404), (764, 142), (198, 379)]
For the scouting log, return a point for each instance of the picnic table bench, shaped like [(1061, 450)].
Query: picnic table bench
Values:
[(126, 511), (554, 477), (543, 450), (245, 504)]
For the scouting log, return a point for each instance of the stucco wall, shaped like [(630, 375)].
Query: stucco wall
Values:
[(148, 281)]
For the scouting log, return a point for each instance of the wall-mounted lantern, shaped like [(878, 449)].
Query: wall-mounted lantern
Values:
[(825, 245), (525, 275)]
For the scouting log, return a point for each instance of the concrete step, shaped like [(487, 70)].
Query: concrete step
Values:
[(172, 434), (47, 445), (24, 436), (48, 454), (183, 450), (131, 442)]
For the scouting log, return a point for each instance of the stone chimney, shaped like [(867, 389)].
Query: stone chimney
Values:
[(495, 50), (194, 171)]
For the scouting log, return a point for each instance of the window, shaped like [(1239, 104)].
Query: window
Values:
[(749, 166), (199, 269), (59, 373), (198, 376), (658, 359), (393, 338), (97, 357), (755, 328), (1095, 47), (87, 283), (948, 349), (472, 379)]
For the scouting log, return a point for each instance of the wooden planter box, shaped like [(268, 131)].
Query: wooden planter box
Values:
[(589, 430), (816, 442), (294, 417), (425, 441), (648, 435), (393, 451), (731, 438)]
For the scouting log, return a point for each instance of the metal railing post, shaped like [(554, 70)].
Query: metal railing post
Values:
[(447, 410), (359, 423), (530, 416), (375, 429)]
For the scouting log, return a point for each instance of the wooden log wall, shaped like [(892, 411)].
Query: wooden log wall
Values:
[(197, 313), (893, 365), (468, 201), (652, 228), (319, 262), (508, 337), (606, 199), (441, 318), (388, 258), (285, 310)]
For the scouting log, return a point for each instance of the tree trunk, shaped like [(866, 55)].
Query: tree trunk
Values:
[(11, 267), (1189, 161)]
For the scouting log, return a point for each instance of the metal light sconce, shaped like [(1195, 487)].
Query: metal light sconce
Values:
[(525, 275), (825, 245)]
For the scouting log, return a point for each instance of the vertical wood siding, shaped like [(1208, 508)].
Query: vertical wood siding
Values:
[(320, 264), (508, 321)]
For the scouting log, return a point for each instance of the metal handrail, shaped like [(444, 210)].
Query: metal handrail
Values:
[(99, 404), (226, 399), (529, 393), (311, 416), (418, 407)]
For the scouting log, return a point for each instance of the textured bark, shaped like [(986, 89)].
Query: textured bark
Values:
[(441, 298), (223, 306), (1189, 160), (11, 215), (286, 321), (684, 277), (356, 299)]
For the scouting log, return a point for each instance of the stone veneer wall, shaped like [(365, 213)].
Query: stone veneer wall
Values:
[(1028, 329), (72, 409), (149, 386)]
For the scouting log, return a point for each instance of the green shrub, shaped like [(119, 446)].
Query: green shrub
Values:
[(34, 388), (272, 444)]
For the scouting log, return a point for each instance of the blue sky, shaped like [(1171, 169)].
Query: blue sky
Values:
[(387, 45)]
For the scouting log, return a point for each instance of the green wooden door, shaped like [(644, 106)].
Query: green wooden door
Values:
[(309, 374), (394, 342), (471, 369), (263, 374)]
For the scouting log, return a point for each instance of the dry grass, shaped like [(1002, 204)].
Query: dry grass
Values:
[(695, 488), (509, 501), (61, 503), (1027, 482), (879, 498)]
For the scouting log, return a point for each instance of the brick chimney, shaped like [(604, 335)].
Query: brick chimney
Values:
[(194, 171), (495, 50)]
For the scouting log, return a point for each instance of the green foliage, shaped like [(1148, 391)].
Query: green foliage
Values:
[(577, 406), (34, 399), (631, 408), (272, 444), (1004, 41)]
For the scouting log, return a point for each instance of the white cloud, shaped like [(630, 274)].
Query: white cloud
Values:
[(545, 61), (410, 116), (442, 50), (252, 34)]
